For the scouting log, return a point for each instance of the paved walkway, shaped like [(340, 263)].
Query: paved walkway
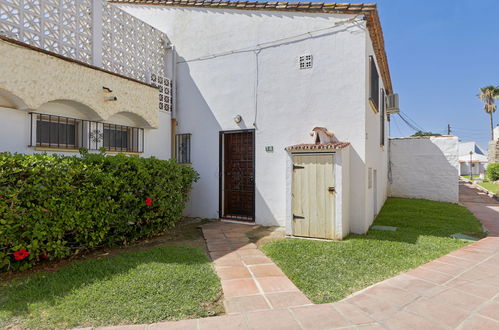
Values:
[(457, 291), (483, 206)]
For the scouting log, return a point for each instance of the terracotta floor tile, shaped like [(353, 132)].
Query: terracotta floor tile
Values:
[(231, 273), (287, 299), (412, 284), (479, 323), (272, 320), (375, 308), (228, 262), (404, 320), (319, 317), (235, 234), (219, 247), (352, 313), (240, 287), (246, 304), (478, 289), (447, 268), (430, 275), (174, 325), (221, 254), (441, 313), (243, 246), (491, 310), (391, 295), (266, 270), (276, 284), (256, 260), (250, 253), (228, 322), (458, 299)]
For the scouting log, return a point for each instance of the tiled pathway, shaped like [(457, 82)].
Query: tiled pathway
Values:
[(250, 280), (457, 291)]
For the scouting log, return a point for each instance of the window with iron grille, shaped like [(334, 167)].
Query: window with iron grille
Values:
[(373, 84), (382, 118), (54, 131), (183, 145)]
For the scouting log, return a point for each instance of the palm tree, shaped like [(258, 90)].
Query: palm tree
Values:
[(488, 95)]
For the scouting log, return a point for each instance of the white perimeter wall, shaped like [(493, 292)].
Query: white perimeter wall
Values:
[(284, 101), (425, 168)]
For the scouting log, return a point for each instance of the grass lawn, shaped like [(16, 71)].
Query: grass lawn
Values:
[(328, 271), (162, 283), (490, 186)]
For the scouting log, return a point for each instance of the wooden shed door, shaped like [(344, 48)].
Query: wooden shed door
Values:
[(313, 190)]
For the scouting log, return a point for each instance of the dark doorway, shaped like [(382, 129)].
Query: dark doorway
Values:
[(237, 175)]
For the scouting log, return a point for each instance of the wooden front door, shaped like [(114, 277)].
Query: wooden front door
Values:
[(313, 190), (237, 195)]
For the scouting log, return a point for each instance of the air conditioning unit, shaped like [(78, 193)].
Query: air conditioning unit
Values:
[(392, 104)]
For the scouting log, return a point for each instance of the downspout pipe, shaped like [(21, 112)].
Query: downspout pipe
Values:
[(173, 78)]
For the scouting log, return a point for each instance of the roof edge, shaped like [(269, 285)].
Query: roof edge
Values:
[(369, 10)]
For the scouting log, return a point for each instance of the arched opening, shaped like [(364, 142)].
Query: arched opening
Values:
[(69, 108), (9, 100), (127, 119)]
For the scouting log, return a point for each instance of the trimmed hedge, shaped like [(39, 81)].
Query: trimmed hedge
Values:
[(493, 172), (56, 206)]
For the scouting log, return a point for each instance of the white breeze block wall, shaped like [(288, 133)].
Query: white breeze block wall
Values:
[(425, 168)]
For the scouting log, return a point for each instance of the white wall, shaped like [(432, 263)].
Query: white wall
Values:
[(15, 130), (284, 101), (376, 154), (425, 168)]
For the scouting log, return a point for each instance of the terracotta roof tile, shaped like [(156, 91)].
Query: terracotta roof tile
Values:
[(369, 10), (314, 147)]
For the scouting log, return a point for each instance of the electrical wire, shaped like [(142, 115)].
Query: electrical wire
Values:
[(277, 42)]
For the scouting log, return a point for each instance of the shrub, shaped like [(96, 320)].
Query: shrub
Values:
[(493, 172), (55, 206)]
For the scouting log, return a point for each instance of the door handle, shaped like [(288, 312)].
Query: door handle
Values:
[(297, 217), (331, 189)]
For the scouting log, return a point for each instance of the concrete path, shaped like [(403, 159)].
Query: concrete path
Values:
[(484, 207), (457, 291)]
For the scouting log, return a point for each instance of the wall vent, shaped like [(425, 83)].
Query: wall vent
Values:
[(306, 61)]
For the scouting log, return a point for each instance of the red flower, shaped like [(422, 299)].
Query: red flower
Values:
[(45, 211), (21, 254), (44, 256), (148, 201)]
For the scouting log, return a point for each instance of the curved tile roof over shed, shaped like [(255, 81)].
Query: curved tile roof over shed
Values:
[(369, 10)]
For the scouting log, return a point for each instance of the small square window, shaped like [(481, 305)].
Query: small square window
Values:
[(305, 61)]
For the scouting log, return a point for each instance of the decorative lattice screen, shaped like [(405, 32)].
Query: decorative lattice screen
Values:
[(60, 26), (129, 46)]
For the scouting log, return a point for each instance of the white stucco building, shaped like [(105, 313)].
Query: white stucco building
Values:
[(281, 107), (261, 76), (472, 159)]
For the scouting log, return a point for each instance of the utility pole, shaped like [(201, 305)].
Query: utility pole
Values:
[(448, 129)]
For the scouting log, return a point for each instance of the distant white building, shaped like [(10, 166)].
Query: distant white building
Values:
[(472, 159)]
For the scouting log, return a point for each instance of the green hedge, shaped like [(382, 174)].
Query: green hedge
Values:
[(56, 206), (493, 172)]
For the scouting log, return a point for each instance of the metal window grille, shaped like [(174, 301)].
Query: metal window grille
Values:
[(60, 132), (374, 84), (183, 145)]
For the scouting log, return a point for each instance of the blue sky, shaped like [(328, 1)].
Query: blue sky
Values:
[(440, 53)]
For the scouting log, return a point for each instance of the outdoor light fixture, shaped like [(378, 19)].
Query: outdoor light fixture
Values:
[(107, 89), (111, 98), (238, 119)]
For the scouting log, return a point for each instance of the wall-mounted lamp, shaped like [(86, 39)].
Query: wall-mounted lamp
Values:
[(107, 89), (238, 119)]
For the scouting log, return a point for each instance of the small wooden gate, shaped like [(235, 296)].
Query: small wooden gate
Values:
[(313, 194)]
